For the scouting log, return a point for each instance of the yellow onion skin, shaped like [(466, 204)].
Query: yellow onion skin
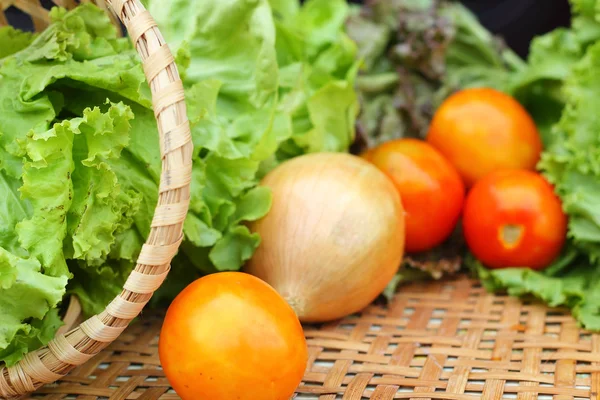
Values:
[(334, 237)]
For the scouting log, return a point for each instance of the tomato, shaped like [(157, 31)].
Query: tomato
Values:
[(483, 130), (514, 219), (230, 336), (431, 190)]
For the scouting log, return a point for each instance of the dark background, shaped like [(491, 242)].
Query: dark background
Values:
[(517, 21)]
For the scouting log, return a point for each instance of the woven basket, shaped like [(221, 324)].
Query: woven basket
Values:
[(448, 339), (75, 347)]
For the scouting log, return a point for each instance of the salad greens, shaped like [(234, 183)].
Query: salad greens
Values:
[(79, 153), (62, 204)]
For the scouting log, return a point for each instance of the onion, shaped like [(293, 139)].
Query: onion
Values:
[(334, 237)]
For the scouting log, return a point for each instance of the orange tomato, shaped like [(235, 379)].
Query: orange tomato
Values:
[(431, 190), (483, 130), (514, 219), (230, 336)]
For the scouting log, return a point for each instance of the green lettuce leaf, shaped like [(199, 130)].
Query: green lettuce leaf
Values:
[(101, 208), (39, 332), (12, 210), (539, 86), (48, 186), (214, 32), (13, 40), (26, 298), (570, 282), (572, 164), (85, 33)]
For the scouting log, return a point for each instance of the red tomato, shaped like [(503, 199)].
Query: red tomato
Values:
[(431, 190), (514, 219), (230, 336), (483, 130)]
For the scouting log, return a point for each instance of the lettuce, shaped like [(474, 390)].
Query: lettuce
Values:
[(13, 40), (572, 164), (67, 214), (27, 298), (569, 282)]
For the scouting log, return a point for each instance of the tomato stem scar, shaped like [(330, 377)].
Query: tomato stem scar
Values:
[(510, 235)]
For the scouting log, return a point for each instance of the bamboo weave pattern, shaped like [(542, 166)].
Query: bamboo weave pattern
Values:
[(441, 340)]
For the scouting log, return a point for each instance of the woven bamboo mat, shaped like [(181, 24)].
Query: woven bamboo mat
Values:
[(442, 340)]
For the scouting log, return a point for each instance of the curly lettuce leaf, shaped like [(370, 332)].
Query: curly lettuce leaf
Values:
[(570, 282), (39, 333), (19, 117), (26, 298), (84, 33), (13, 40), (539, 86), (572, 164), (80, 208), (48, 186), (588, 8), (214, 32), (101, 207)]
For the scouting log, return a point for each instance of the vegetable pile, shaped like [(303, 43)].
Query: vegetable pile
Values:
[(475, 157), (557, 87), (79, 153)]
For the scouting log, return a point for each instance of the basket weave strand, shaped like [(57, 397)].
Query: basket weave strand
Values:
[(77, 346)]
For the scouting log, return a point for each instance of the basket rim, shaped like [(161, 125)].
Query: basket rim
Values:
[(73, 348)]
